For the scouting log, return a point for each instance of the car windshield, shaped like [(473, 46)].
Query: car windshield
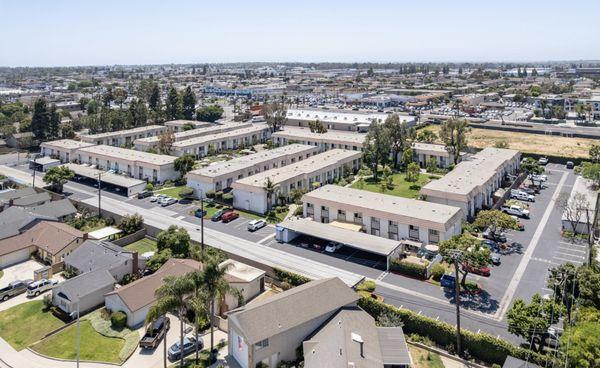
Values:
[(30, 287)]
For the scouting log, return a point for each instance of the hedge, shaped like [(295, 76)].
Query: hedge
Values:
[(118, 319), (291, 278), (482, 346), (409, 269)]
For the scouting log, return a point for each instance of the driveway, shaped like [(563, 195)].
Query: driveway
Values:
[(21, 271)]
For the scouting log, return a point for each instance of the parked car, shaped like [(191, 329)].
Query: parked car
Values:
[(157, 197), (257, 224), (333, 247), (497, 237), (447, 281), (492, 245), (533, 191), (483, 271), (189, 346), (522, 196), (543, 161), (230, 216), (40, 286), (515, 211), (217, 216), (167, 201), (145, 194), (155, 332), (199, 212), (570, 165), (495, 257), (536, 177), (14, 288), (519, 224)]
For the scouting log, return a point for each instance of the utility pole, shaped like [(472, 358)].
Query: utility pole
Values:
[(202, 222), (456, 256), (78, 341), (99, 194), (34, 169), (590, 235)]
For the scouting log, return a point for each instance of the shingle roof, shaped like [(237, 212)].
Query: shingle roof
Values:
[(57, 209), (14, 219), (13, 194), (86, 284), (33, 199), (512, 362), (48, 235), (97, 255), (264, 318)]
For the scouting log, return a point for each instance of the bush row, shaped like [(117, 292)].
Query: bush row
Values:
[(291, 278), (482, 346), (409, 269)]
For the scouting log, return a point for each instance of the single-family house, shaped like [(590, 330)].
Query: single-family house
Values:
[(83, 292), (95, 255)]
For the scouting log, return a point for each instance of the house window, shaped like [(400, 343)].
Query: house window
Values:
[(261, 344), (358, 218), (341, 215), (374, 226), (434, 236), (413, 232), (393, 230)]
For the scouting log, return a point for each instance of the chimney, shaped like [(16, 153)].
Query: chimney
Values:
[(357, 338), (134, 267), (85, 236)]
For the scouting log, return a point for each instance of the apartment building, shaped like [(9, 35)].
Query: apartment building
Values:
[(203, 145), (179, 125), (329, 140), (423, 152), (383, 215), (124, 137), (472, 183), (221, 175), (144, 144), (249, 193), (136, 164), (63, 149)]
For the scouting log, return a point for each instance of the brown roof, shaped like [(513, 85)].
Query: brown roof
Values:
[(50, 236), (140, 293)]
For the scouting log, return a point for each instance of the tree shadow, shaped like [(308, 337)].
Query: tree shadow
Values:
[(514, 248), (481, 301)]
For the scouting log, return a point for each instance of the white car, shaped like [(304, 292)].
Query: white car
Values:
[(515, 211), (40, 286), (522, 196), (256, 224), (333, 247), (543, 161), (157, 198), (167, 201)]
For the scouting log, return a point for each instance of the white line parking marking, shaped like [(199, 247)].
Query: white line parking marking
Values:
[(568, 260), (261, 241), (570, 255), (572, 244), (573, 250)]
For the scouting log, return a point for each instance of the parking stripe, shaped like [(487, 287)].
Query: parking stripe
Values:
[(573, 250), (568, 260), (570, 255)]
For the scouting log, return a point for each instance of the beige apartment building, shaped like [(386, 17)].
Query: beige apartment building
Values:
[(422, 153), (325, 141), (473, 182), (63, 149), (388, 216), (221, 175), (124, 137), (249, 193), (178, 125), (235, 139)]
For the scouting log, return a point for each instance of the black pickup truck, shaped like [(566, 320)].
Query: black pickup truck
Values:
[(155, 332), (14, 288)]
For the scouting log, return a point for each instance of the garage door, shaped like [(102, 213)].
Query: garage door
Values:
[(14, 257)]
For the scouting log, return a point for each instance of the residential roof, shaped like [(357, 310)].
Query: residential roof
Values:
[(437, 149), (13, 219), (240, 272), (50, 236), (393, 346), (367, 242), (18, 193), (404, 210), (37, 198), (68, 144), (268, 317), (106, 177), (128, 154), (337, 136), (207, 139), (140, 293), (94, 255), (198, 132), (85, 284), (58, 209), (45, 160), (104, 233), (337, 116), (143, 129)]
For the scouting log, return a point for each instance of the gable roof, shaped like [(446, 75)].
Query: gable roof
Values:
[(13, 194), (50, 236), (140, 293), (94, 255), (264, 318), (30, 200), (14, 219), (85, 284), (58, 209)]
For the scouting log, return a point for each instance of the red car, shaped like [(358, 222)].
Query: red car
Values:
[(483, 271), (230, 216)]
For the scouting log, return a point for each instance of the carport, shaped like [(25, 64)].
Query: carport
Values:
[(123, 184), (43, 163), (292, 228)]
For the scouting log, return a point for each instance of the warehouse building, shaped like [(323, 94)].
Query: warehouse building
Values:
[(221, 175), (124, 137), (214, 143), (249, 193)]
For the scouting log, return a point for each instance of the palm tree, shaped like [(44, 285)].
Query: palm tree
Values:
[(198, 301), (216, 288), (171, 296), (270, 187)]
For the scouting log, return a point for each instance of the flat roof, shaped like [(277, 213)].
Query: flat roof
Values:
[(124, 132), (292, 132), (362, 241), (103, 233), (306, 166), (243, 162), (67, 144), (406, 209), (340, 116), (430, 147), (44, 160), (198, 132), (129, 154), (115, 179), (218, 136), (182, 122)]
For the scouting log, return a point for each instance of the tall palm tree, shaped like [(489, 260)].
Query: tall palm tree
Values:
[(217, 288), (171, 296), (197, 301), (270, 188)]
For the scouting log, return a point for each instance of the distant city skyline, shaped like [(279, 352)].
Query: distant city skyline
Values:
[(68, 33)]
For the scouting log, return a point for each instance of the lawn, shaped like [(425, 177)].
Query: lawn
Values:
[(172, 192), (26, 323), (94, 346), (142, 246), (402, 188), (424, 359)]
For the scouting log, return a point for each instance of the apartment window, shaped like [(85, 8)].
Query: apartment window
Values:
[(324, 214), (358, 218), (413, 232), (393, 230), (434, 236), (341, 215), (374, 226), (310, 209), (261, 344)]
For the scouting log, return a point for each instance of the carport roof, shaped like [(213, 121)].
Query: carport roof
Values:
[(114, 179), (362, 241)]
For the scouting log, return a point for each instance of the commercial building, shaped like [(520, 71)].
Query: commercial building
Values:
[(471, 185), (329, 140), (383, 215), (221, 175), (63, 149), (135, 164), (249, 193), (203, 145), (354, 121), (124, 137), (179, 125), (144, 144)]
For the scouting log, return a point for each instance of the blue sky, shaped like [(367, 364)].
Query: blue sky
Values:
[(84, 32)]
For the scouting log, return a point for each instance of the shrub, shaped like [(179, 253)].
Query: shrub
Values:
[(47, 302), (298, 211), (228, 197), (286, 286), (210, 194), (118, 320), (437, 271), (131, 223), (149, 187), (219, 194), (342, 182), (367, 285), (291, 278), (408, 268)]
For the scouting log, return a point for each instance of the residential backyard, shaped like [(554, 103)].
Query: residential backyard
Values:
[(24, 324), (142, 246), (402, 188), (424, 359)]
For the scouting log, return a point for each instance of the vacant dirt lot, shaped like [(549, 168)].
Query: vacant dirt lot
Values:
[(526, 142)]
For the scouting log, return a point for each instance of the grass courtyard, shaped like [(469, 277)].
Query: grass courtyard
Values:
[(26, 323), (142, 246), (173, 192), (402, 188)]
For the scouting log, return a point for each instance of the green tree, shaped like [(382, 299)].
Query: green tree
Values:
[(591, 171), (399, 136), (131, 223), (92, 107), (595, 153), (53, 130), (275, 114), (120, 95), (165, 142), (407, 157), (377, 148), (496, 221), (563, 279), (154, 98), (432, 164), (176, 239), (581, 345), (317, 126), (501, 143), (412, 172), (210, 113), (57, 176), (426, 136), (188, 103), (198, 302), (527, 320), (473, 253), (40, 119), (454, 134), (137, 114), (531, 167), (270, 188), (173, 105), (184, 164), (108, 97)]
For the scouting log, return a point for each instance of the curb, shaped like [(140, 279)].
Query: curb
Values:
[(73, 361)]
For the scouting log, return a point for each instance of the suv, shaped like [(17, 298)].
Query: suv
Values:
[(167, 201), (256, 224), (38, 287), (145, 194), (230, 216), (219, 214), (333, 247), (570, 164), (543, 161), (157, 330), (515, 211), (522, 196)]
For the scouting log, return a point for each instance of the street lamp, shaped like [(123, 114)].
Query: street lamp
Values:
[(78, 331), (456, 255)]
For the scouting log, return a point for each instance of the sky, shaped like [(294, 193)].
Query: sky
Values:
[(108, 32)]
